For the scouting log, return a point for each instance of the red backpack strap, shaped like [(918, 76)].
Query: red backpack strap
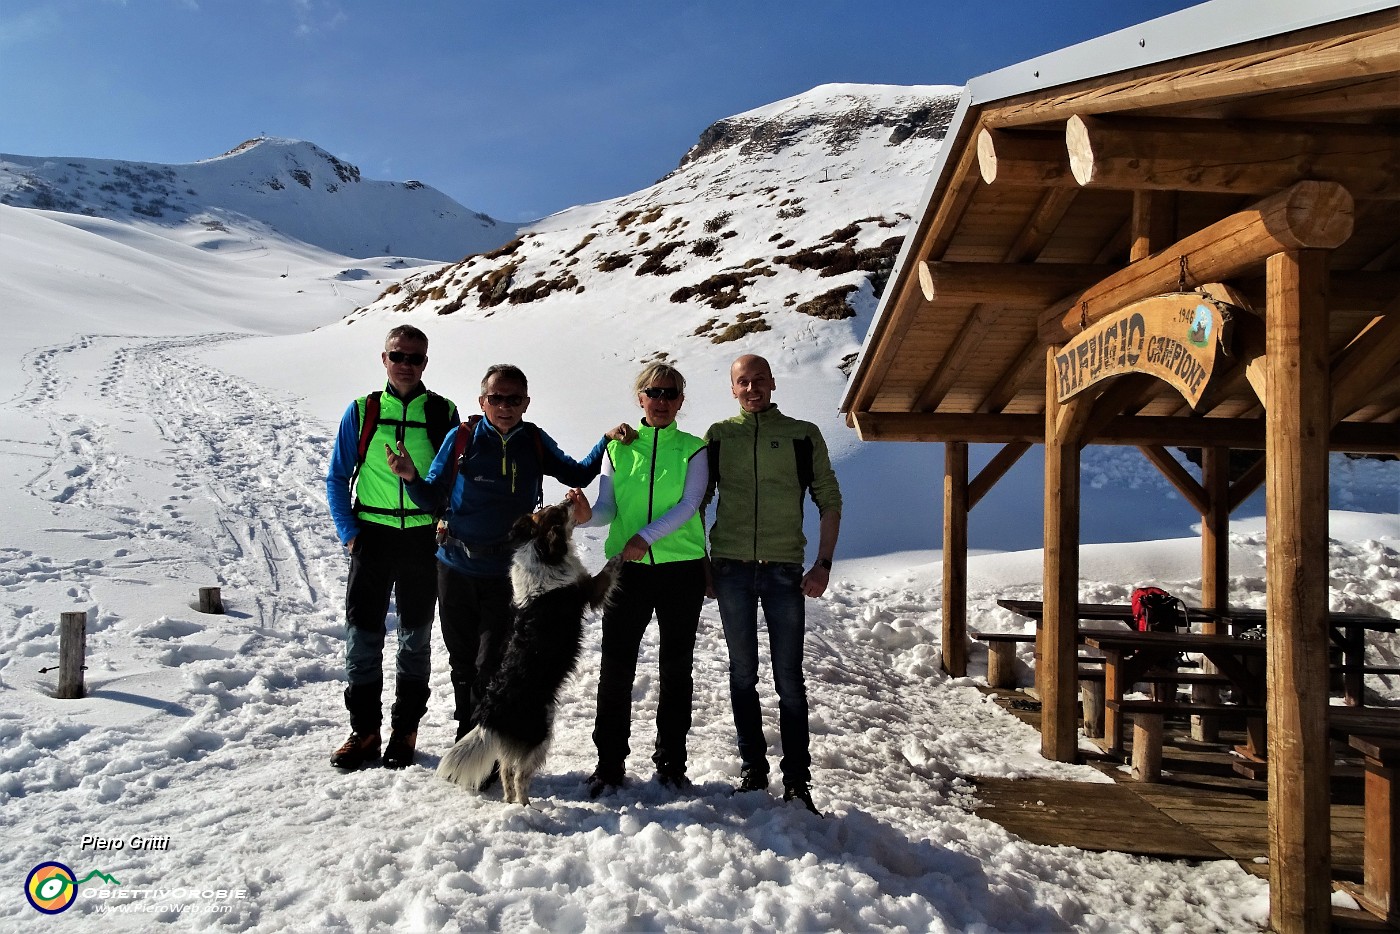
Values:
[(460, 445), (368, 425)]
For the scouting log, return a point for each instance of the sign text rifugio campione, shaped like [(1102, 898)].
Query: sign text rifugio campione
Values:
[(1173, 337)]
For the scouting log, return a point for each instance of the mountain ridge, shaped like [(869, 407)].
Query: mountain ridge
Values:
[(291, 186), (785, 217)]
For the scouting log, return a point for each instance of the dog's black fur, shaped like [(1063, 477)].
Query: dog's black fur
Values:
[(516, 716)]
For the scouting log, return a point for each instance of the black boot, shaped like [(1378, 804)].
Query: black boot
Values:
[(410, 703), (362, 700)]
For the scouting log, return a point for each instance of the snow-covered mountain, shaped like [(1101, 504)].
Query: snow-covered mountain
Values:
[(289, 186), (784, 219)]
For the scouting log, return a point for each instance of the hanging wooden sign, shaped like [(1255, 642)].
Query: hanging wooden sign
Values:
[(1174, 337)]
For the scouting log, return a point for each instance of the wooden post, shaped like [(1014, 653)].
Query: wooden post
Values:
[(1147, 747), (1297, 422), (1091, 693), (1057, 667), (210, 600), (1001, 664), (955, 558), (72, 653), (1215, 572)]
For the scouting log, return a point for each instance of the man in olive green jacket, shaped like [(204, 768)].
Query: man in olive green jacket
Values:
[(762, 464)]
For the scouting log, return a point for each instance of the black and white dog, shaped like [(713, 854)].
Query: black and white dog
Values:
[(515, 719)]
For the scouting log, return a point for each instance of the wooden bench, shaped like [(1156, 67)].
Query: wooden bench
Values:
[(1001, 655), (1147, 718)]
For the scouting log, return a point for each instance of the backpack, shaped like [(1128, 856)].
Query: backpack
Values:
[(435, 410), (1155, 610)]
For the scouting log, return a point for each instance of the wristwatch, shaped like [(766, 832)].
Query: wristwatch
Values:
[(824, 563)]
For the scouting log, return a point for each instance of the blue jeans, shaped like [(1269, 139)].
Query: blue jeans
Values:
[(740, 587)]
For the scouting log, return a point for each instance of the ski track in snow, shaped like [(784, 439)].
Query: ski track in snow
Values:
[(234, 718)]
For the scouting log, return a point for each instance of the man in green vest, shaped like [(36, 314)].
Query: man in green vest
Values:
[(762, 464), (391, 542)]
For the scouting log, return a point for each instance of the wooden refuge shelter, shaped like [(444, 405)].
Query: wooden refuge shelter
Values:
[(1182, 234)]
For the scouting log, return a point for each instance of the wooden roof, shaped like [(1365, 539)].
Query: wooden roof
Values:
[(1054, 206)]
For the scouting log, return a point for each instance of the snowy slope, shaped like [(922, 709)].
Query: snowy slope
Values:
[(290, 186), (165, 418)]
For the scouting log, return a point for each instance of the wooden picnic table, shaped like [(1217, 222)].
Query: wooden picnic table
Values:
[(1127, 654), (1347, 632)]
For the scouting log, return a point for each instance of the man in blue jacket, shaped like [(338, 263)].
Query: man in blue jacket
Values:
[(391, 542), (487, 481)]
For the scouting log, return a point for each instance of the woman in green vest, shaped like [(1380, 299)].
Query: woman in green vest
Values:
[(649, 498)]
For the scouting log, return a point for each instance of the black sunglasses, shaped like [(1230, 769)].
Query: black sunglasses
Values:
[(412, 359), (662, 392), (497, 399)]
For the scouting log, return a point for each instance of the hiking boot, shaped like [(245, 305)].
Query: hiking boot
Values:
[(605, 780), (751, 779), (358, 750), (673, 778), (800, 791), (399, 753)]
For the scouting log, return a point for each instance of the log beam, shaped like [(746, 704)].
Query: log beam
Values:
[(996, 468), (1132, 430), (1028, 158), (1178, 476), (1232, 156), (1249, 481), (1028, 285), (1310, 215)]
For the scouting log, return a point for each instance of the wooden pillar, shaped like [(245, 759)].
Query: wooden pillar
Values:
[(955, 506), (72, 653), (1215, 573), (1297, 423), (1215, 531), (1056, 669)]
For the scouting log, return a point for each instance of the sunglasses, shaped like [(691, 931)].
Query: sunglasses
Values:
[(412, 359), (662, 392), (499, 400)]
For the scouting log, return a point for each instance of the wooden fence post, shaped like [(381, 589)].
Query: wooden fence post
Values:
[(72, 651), (210, 601)]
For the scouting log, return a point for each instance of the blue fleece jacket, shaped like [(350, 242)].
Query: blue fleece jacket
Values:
[(499, 482)]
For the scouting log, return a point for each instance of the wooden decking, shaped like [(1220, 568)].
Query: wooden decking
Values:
[(1201, 810)]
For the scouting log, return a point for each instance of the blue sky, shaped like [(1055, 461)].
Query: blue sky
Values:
[(514, 109)]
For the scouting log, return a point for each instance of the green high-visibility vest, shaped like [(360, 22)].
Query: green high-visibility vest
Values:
[(648, 479), (380, 496)]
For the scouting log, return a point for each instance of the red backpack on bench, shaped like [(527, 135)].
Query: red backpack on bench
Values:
[(1155, 610)]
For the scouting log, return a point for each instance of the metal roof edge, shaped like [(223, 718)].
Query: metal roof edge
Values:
[(1208, 26)]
